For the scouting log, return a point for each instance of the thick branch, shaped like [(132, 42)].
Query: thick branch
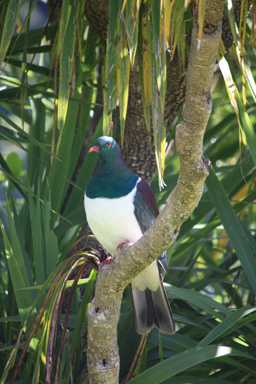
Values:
[(103, 358)]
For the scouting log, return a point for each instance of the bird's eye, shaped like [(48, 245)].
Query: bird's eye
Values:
[(108, 144)]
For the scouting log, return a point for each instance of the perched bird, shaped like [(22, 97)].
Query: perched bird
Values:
[(120, 207)]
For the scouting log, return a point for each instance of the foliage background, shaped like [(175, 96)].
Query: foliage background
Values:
[(54, 102)]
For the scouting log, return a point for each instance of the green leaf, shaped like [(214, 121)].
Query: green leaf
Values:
[(88, 98), (230, 182), (176, 343), (36, 158), (76, 347), (30, 138), (8, 172), (32, 90), (199, 300), (84, 175), (177, 27), (158, 82), (250, 78), (247, 126), (10, 20), (201, 13), (226, 326), (184, 360), (123, 74), (32, 67), (64, 22), (59, 173), (34, 39), (132, 26), (36, 233), (235, 231), (50, 241), (66, 66), (17, 268), (196, 379), (109, 94), (76, 217)]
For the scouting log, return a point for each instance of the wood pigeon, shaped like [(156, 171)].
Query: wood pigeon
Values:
[(120, 207)]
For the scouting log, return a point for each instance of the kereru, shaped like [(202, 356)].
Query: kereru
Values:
[(120, 207)]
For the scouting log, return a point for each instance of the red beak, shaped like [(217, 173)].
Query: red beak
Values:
[(94, 149)]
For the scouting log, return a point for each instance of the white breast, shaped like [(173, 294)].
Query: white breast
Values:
[(113, 221)]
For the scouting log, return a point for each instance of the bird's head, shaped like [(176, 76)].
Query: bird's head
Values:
[(107, 149)]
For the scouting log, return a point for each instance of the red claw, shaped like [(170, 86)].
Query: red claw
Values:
[(120, 246), (108, 261)]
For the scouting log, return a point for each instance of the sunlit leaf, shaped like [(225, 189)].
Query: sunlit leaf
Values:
[(183, 361), (249, 77), (158, 87), (247, 126), (226, 325), (64, 21), (176, 25), (11, 16), (231, 89), (167, 18), (132, 26), (201, 13), (123, 74), (109, 93)]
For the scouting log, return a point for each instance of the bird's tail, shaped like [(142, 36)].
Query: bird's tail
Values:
[(152, 309)]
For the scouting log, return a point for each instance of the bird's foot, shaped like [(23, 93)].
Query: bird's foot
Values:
[(109, 260), (120, 246)]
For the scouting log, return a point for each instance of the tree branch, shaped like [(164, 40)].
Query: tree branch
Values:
[(103, 315)]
